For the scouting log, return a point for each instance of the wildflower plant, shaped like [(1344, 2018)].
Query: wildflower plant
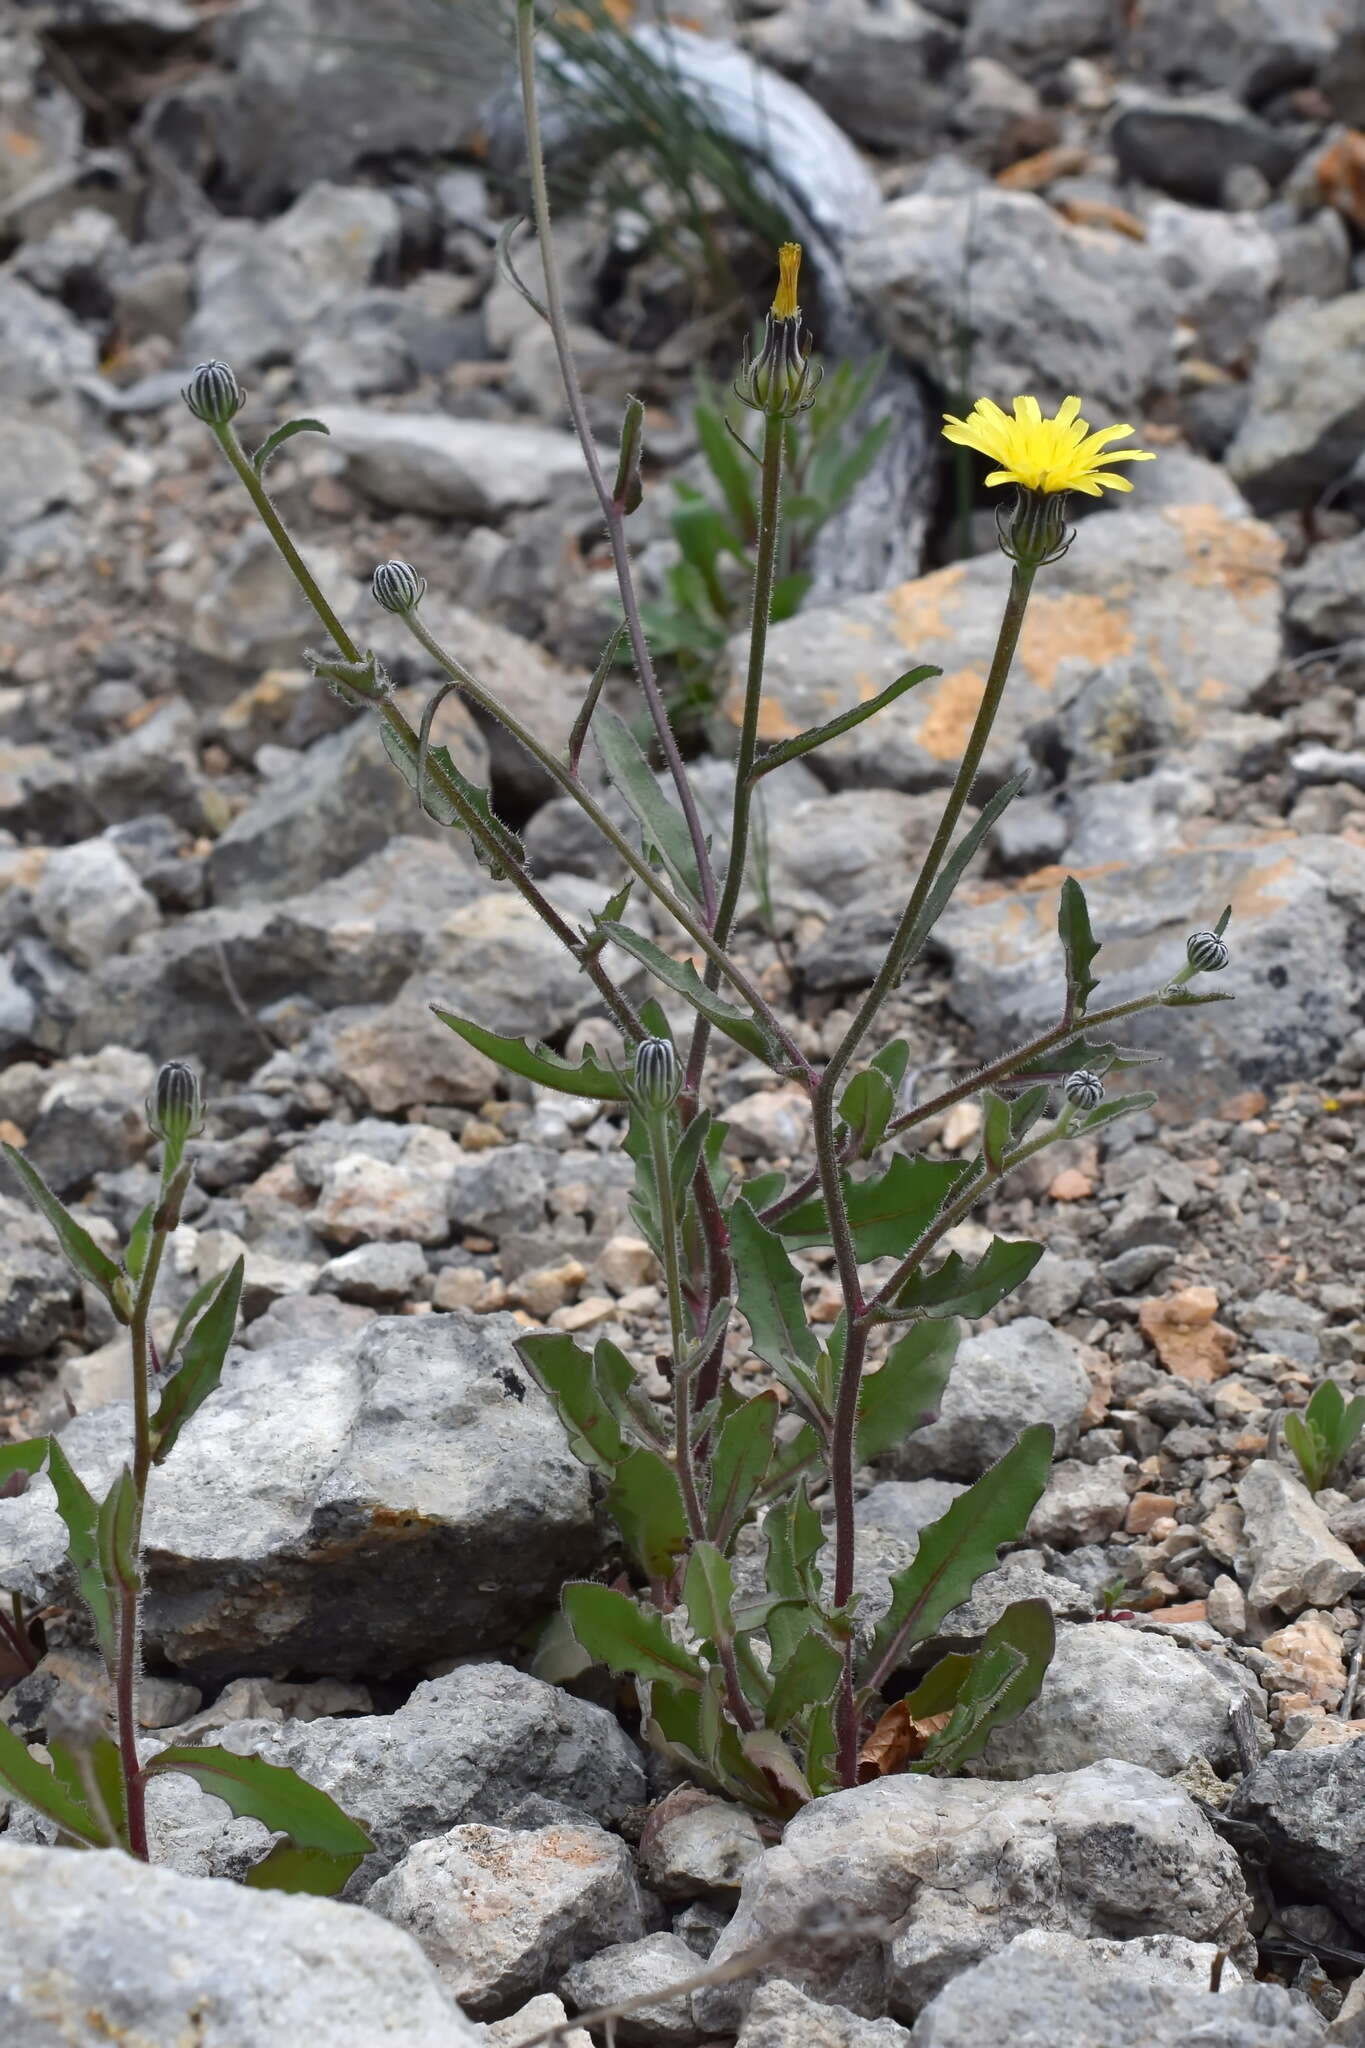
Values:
[(94, 1787), (1323, 1437), (736, 1612)]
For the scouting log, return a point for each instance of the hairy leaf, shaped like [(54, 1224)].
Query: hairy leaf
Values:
[(1006, 1674), (958, 1289), (116, 1537), (708, 1594), (684, 980), (536, 1062), (833, 728), (323, 1846), (206, 1347), (38, 1786), (740, 1458), (1079, 944), (868, 1102), (628, 490), (415, 766), (628, 1638), (807, 1678), (887, 1213), (954, 1552), (661, 822), (907, 1390), (79, 1247), (77, 1508), (768, 1288), (645, 1502), (566, 1374), (273, 442)]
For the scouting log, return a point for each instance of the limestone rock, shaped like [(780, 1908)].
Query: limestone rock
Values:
[(98, 1948), (1305, 424), (456, 468), (362, 1504), (1001, 1381), (1294, 1559), (1308, 1803)]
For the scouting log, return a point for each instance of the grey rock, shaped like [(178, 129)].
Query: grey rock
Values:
[(1325, 595), (380, 1275), (39, 1300), (484, 1744), (456, 468), (1033, 1998), (1283, 1323), (18, 1011), (249, 612), (1305, 424), (91, 1118), (1116, 1691), (886, 75), (694, 1844), (1294, 1560), (312, 97), (1083, 1503), (629, 1970), (43, 350), (1001, 1381), (42, 466), (783, 2017), (1191, 147), (394, 1055), (383, 340), (958, 1868), (1296, 910), (97, 1946), (1307, 1803), (499, 1913), (1250, 47), (261, 288), (323, 1478), (1041, 36), (1167, 618), (1060, 294), (1221, 270), (343, 803), (90, 902)]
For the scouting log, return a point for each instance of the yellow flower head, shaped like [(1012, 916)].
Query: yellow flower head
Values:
[(1060, 454), (785, 306)]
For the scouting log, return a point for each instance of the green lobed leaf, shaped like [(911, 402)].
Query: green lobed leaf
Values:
[(1005, 1675), (201, 1368), (77, 1508), (833, 728), (886, 1213), (116, 1535), (868, 1102), (406, 753), (139, 1242), (536, 1062), (684, 980), (1079, 945), (79, 1247), (807, 1678), (739, 1462), (956, 865), (957, 1549), (708, 1594), (645, 1502), (768, 1289), (38, 1786), (958, 1289), (276, 441), (661, 822), (628, 1638), (29, 1456), (324, 1844), (1335, 1420), (907, 1389), (567, 1376), (1107, 1112)]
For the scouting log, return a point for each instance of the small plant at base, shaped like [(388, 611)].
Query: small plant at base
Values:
[(94, 1789), (742, 1633), (1322, 1437)]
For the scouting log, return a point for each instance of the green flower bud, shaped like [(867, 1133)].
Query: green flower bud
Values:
[(1206, 952), (175, 1107), (1084, 1089), (397, 586), (213, 394), (1033, 531), (658, 1076)]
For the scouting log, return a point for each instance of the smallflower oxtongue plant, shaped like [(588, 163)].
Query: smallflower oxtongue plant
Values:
[(730, 1600)]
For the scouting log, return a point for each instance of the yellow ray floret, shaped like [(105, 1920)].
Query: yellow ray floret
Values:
[(788, 270), (1060, 454)]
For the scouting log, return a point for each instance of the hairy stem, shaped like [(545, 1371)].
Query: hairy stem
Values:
[(677, 1323), (612, 512), (1021, 583)]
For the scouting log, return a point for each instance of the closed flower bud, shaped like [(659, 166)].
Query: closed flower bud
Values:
[(397, 586), (175, 1107), (213, 394), (1084, 1089), (657, 1075), (1206, 952)]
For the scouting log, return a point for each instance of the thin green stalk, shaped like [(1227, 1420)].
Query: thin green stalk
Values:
[(612, 512), (393, 717), (1021, 583), (697, 931), (677, 1324)]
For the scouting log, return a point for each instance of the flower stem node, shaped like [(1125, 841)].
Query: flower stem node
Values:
[(1084, 1089), (781, 380), (657, 1076), (398, 587), (1206, 952), (213, 394), (175, 1107)]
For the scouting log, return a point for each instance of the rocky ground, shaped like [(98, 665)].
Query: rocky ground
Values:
[(1158, 203)]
